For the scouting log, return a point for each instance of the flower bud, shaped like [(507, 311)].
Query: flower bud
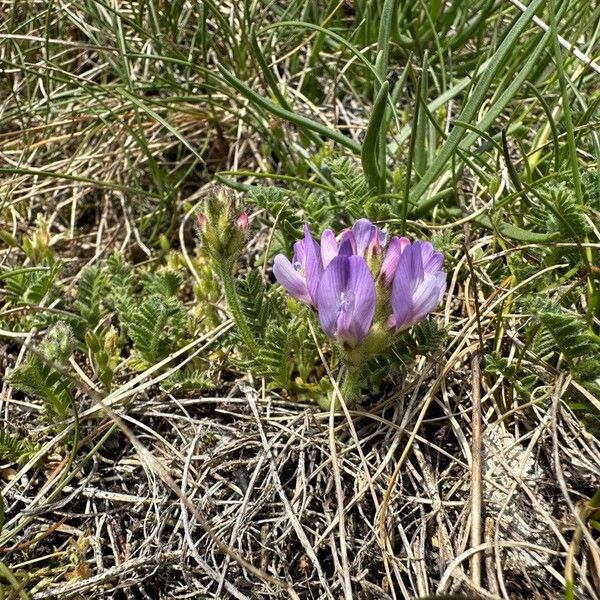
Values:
[(92, 341), (41, 237), (58, 344), (111, 341), (242, 221), (222, 227)]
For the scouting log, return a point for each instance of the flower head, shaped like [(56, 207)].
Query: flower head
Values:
[(342, 279), (222, 226), (418, 286)]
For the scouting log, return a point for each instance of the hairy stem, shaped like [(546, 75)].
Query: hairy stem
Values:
[(235, 308), (351, 385)]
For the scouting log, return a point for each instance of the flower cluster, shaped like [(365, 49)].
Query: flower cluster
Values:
[(222, 226), (360, 283)]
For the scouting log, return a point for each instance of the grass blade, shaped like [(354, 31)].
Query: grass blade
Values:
[(288, 115), (375, 172), (475, 101)]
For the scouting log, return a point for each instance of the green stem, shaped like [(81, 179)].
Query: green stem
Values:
[(7, 574), (351, 385), (233, 302)]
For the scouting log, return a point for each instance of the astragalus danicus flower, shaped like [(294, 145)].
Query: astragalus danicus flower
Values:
[(364, 289), (345, 281)]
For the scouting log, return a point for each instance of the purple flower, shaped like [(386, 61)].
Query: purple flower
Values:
[(364, 239), (347, 299), (301, 276), (392, 258), (418, 284), (337, 278)]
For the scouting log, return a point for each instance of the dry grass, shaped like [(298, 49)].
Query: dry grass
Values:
[(376, 501)]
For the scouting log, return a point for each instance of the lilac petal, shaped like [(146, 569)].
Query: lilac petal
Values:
[(374, 248), (290, 279), (412, 258), (361, 282), (313, 266), (299, 258), (428, 295), (391, 259), (367, 236), (426, 251), (347, 243), (347, 299), (333, 283), (417, 287), (434, 262), (409, 273), (363, 231), (329, 247), (401, 299)]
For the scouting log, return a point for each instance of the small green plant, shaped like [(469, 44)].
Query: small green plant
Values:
[(16, 449), (580, 346), (40, 378)]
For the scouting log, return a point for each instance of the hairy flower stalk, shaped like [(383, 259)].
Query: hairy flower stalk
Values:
[(224, 230), (364, 289)]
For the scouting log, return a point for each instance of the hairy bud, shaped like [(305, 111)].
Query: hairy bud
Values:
[(222, 226), (58, 344)]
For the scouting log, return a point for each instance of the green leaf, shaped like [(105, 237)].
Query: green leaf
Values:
[(516, 233), (92, 289), (16, 449), (41, 382), (374, 172), (156, 327), (383, 41), (302, 122)]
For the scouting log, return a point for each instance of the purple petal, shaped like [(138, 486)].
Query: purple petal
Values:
[(333, 282), (391, 259), (434, 262), (413, 258), (418, 284), (426, 250), (428, 295), (329, 247), (401, 299), (367, 236), (299, 258), (347, 299), (374, 248), (363, 231), (347, 244), (361, 282), (313, 266), (290, 279)]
